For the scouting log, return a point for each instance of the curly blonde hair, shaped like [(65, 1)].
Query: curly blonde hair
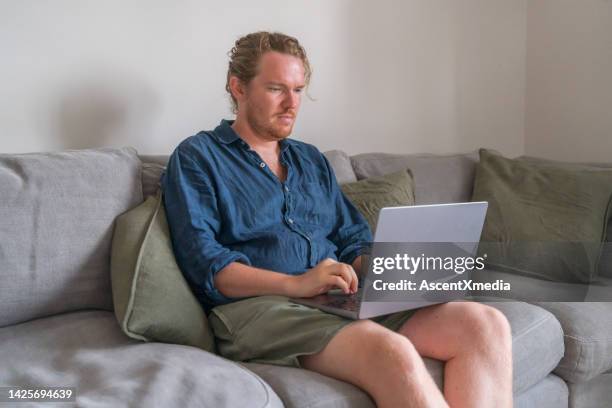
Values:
[(245, 55)]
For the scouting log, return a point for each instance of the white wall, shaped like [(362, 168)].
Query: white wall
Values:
[(391, 75), (569, 80)]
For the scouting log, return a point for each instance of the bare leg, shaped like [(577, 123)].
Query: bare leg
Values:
[(379, 361), (475, 342)]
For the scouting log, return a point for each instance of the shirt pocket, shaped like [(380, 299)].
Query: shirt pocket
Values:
[(315, 204)]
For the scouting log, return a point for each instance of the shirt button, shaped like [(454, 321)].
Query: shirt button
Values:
[(262, 165), (286, 189), (290, 221)]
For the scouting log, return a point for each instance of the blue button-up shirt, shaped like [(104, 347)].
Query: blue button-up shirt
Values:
[(224, 204)]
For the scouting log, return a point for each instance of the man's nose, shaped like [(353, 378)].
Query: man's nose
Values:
[(291, 100)]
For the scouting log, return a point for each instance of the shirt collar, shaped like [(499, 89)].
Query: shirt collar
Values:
[(226, 135)]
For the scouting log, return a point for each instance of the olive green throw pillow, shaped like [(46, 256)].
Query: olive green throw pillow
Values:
[(372, 194), (544, 220), (152, 300)]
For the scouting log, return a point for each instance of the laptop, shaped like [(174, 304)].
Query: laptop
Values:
[(456, 224)]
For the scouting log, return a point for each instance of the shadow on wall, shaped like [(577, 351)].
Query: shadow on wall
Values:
[(102, 111)]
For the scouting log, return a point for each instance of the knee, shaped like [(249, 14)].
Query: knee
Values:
[(488, 328), (387, 349)]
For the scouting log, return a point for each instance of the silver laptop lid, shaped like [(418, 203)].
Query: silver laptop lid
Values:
[(455, 222)]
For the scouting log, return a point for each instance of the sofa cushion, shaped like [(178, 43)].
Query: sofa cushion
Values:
[(299, 388), (88, 351), (438, 178), (594, 393), (587, 332), (551, 392), (159, 159), (537, 342), (549, 220), (341, 163), (152, 168), (371, 195), (604, 268), (58, 211), (151, 175), (152, 299)]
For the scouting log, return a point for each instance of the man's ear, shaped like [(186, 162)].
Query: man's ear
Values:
[(237, 88)]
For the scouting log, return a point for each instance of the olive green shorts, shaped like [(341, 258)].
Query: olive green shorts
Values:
[(273, 330)]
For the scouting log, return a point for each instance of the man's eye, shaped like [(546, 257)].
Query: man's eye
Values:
[(299, 90), (274, 89)]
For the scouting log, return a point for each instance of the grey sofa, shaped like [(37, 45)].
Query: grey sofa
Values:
[(57, 326)]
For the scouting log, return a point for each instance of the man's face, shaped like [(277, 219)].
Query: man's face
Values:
[(272, 98)]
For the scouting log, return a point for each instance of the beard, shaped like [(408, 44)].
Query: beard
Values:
[(267, 128)]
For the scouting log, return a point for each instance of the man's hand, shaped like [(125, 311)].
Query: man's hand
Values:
[(326, 275)]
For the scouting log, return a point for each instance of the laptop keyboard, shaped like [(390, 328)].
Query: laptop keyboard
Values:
[(346, 302)]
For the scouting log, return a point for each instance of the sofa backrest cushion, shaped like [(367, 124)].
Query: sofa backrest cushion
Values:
[(57, 213), (152, 169), (437, 178), (341, 163)]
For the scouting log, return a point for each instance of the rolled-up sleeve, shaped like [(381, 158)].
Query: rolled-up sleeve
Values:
[(194, 223), (351, 233)]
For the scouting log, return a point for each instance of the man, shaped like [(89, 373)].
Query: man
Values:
[(256, 217)]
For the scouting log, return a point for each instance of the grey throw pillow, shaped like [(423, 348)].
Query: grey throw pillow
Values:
[(57, 211)]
